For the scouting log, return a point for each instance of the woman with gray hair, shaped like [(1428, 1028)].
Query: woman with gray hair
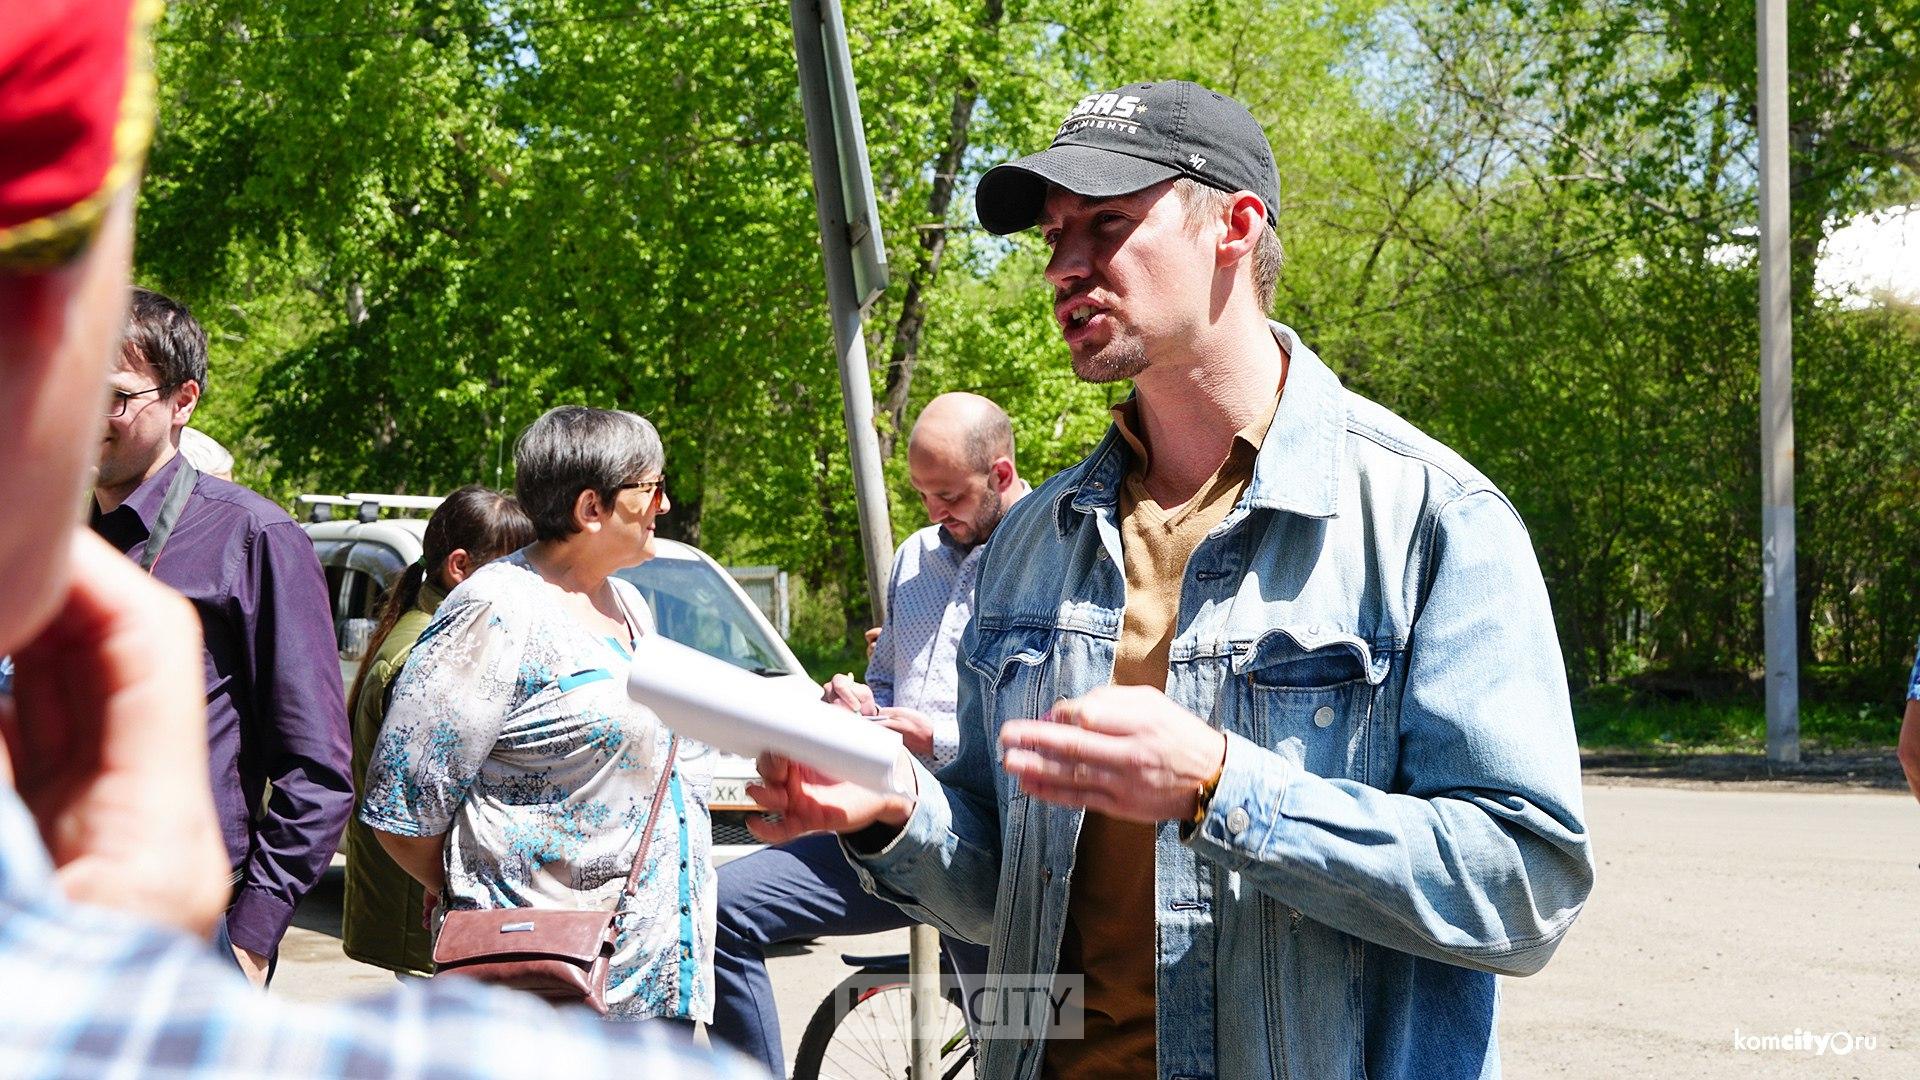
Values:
[(514, 771)]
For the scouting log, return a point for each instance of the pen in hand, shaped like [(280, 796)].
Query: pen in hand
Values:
[(848, 693)]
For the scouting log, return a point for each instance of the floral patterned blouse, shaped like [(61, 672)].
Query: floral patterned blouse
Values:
[(511, 731)]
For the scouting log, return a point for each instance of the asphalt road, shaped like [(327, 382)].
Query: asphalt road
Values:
[(1734, 931)]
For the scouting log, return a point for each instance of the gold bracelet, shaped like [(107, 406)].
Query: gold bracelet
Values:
[(1203, 795)]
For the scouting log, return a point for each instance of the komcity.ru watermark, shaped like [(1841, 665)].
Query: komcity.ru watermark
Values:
[(1798, 1041), (1030, 1007)]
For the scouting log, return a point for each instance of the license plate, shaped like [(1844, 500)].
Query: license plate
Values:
[(729, 795)]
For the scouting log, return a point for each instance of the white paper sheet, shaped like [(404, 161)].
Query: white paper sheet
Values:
[(735, 711)]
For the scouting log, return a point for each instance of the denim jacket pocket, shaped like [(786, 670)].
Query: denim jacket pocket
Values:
[(1016, 664), (1309, 695)]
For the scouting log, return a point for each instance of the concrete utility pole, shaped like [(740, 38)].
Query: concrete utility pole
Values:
[(826, 149), (855, 257), (1776, 395)]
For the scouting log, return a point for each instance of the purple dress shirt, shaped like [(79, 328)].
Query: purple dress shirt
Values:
[(275, 712)]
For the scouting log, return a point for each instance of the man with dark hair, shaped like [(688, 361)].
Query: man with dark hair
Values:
[(960, 460), (1264, 731), (276, 720)]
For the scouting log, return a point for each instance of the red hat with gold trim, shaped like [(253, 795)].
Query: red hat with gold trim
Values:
[(76, 114)]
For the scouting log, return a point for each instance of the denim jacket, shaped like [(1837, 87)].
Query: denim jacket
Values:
[(1399, 818)]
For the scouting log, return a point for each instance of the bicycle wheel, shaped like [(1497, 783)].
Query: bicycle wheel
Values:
[(862, 1031)]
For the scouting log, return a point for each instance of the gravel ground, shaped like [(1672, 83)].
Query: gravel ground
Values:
[(1844, 770), (1753, 907)]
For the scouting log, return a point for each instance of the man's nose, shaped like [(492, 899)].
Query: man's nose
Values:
[(1067, 265)]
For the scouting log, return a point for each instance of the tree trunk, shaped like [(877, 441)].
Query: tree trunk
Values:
[(904, 356), (686, 468)]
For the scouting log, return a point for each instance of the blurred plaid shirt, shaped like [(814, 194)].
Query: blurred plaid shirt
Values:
[(1913, 681), (91, 993)]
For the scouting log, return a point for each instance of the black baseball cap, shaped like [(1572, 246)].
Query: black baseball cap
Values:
[(1120, 141)]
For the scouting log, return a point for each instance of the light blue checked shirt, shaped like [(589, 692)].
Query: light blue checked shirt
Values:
[(89, 993), (929, 599), (1913, 681)]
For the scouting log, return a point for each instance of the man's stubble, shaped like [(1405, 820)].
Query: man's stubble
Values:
[(1113, 362)]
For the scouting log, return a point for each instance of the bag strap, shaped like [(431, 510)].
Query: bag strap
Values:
[(659, 790), (179, 490), (653, 818)]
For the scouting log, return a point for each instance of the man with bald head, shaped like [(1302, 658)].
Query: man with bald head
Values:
[(960, 460)]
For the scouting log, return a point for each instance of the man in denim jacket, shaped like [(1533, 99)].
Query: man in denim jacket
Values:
[(1264, 727)]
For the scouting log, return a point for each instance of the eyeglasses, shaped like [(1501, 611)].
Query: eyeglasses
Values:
[(658, 487), (117, 404)]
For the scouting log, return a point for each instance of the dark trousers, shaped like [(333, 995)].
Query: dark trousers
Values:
[(793, 892)]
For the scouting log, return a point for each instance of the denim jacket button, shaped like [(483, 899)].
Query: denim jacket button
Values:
[(1323, 716), (1238, 820)]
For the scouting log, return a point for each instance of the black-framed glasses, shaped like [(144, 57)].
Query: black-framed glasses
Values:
[(658, 487), (117, 403)]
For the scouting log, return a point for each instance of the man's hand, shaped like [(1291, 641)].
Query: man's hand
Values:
[(850, 694), (1125, 751), (253, 965), (916, 731), (873, 639), (806, 801), (109, 744)]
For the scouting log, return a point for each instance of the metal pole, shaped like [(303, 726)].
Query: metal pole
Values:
[(856, 388), (923, 982), (1776, 394), (850, 345)]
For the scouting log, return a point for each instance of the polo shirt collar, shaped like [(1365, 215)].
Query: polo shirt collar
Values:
[(1298, 467)]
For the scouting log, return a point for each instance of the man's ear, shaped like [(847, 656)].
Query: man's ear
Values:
[(588, 511), (1001, 473), (1246, 220), (186, 398)]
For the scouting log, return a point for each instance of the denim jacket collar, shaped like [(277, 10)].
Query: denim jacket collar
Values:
[(1297, 470)]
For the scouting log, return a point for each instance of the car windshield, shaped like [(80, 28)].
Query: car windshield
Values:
[(692, 606)]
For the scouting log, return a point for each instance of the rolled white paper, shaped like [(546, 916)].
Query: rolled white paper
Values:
[(737, 712)]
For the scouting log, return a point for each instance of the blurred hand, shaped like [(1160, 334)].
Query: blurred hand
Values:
[(873, 638), (912, 724), (807, 801), (109, 742), (1126, 751), (1910, 745), (848, 693)]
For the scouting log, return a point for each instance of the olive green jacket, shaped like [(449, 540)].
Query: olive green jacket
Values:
[(382, 923)]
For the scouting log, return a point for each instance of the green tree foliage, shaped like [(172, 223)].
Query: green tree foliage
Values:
[(412, 226)]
